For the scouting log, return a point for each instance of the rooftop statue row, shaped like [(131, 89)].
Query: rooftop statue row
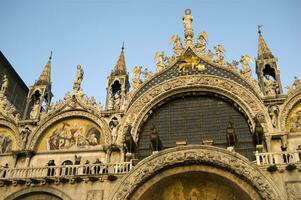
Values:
[(267, 85)]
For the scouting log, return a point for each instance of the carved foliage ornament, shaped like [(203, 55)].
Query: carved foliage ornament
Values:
[(213, 156)]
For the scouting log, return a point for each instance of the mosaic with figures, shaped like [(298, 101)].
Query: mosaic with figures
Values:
[(72, 134), (7, 141)]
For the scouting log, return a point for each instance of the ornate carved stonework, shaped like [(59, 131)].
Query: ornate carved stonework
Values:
[(206, 155)]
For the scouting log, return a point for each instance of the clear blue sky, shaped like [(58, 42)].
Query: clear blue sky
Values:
[(91, 32)]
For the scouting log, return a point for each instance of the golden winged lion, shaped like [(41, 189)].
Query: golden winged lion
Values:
[(192, 62)]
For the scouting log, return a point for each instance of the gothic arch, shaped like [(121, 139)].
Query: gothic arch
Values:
[(38, 133), (48, 190), (246, 100), (199, 155), (288, 105)]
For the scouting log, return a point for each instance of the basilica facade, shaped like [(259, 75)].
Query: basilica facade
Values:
[(198, 128)]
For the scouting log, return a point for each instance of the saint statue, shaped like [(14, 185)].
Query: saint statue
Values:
[(270, 86), (24, 136), (160, 61), (202, 42), (4, 85), (35, 109), (147, 74), (136, 81), (219, 52)]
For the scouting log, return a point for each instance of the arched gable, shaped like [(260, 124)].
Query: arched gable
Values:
[(210, 68), (288, 109), (87, 117), (250, 104), (197, 155), (9, 134), (47, 190)]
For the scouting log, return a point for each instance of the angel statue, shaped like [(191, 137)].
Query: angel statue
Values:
[(219, 52), (136, 81), (160, 59), (176, 40), (78, 79), (177, 45), (202, 41), (246, 70), (147, 74)]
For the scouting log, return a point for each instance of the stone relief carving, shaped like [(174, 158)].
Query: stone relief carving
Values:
[(198, 154), (95, 194), (293, 190)]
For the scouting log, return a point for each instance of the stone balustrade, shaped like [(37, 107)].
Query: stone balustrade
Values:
[(275, 158), (64, 171)]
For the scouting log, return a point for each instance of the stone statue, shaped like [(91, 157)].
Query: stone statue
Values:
[(4, 85), (176, 40), (147, 74), (274, 112), (114, 125), (297, 83), (202, 42), (160, 61), (233, 65), (209, 55), (136, 81), (246, 70), (270, 86), (35, 109), (219, 52), (117, 101), (78, 79), (25, 132)]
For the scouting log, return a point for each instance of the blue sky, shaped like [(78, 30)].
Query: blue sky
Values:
[(91, 32)]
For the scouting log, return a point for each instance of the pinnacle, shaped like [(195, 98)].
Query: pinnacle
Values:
[(45, 77), (120, 67), (263, 50)]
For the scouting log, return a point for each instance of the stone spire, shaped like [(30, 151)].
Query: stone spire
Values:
[(267, 69), (263, 50), (120, 67), (45, 77), (188, 31)]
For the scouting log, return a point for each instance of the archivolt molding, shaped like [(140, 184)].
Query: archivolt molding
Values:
[(253, 83), (38, 133), (49, 190), (251, 105), (200, 155), (288, 105)]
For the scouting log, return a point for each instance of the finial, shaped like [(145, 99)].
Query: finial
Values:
[(122, 48), (187, 12), (50, 57), (188, 30), (259, 27)]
